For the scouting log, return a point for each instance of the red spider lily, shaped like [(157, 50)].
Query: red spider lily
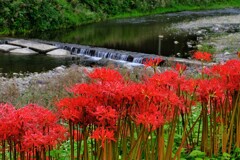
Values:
[(202, 56), (152, 62), (8, 127), (151, 119), (105, 116), (39, 139), (31, 128), (110, 93), (105, 75), (229, 73), (39, 123), (167, 80), (75, 109), (180, 68), (206, 91), (102, 134), (6, 109), (103, 93), (189, 85), (84, 89), (164, 101)]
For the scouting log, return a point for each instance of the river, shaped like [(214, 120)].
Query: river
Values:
[(133, 34)]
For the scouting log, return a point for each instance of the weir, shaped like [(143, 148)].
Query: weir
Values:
[(97, 52), (128, 56)]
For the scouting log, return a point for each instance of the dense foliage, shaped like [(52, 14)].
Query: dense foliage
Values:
[(27, 15)]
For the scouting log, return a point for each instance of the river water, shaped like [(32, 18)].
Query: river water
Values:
[(132, 34)]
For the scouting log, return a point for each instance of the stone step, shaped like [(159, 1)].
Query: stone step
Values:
[(59, 52), (40, 47), (7, 47), (23, 51)]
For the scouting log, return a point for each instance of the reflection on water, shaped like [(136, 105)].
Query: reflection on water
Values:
[(134, 34)]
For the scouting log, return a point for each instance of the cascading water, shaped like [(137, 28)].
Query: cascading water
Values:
[(138, 60), (102, 53)]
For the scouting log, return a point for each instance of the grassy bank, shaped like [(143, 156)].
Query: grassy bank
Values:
[(179, 8), (26, 16)]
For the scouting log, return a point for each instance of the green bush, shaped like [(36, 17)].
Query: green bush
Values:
[(40, 15), (21, 15)]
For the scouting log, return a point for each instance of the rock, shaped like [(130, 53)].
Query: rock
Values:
[(199, 38), (41, 47), (7, 47), (226, 53), (60, 69), (106, 62), (216, 29), (199, 32), (23, 51), (199, 46), (59, 52), (176, 42), (130, 58), (178, 54)]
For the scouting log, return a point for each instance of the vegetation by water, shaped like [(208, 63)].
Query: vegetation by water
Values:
[(40, 15), (109, 116)]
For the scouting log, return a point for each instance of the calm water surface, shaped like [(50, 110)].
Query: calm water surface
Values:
[(134, 34), (32, 63)]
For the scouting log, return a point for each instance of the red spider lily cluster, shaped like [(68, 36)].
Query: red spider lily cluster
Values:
[(109, 109), (124, 118), (29, 131), (153, 62), (180, 68), (202, 56)]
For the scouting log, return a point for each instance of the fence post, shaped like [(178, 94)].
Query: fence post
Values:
[(160, 37)]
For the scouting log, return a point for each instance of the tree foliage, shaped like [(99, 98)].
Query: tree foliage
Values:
[(28, 15)]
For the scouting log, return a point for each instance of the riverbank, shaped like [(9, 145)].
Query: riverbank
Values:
[(219, 35), (179, 8), (62, 14), (42, 88)]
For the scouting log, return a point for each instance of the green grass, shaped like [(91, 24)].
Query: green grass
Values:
[(178, 8)]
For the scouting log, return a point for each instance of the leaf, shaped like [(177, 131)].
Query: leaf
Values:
[(237, 150), (197, 153), (226, 156)]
